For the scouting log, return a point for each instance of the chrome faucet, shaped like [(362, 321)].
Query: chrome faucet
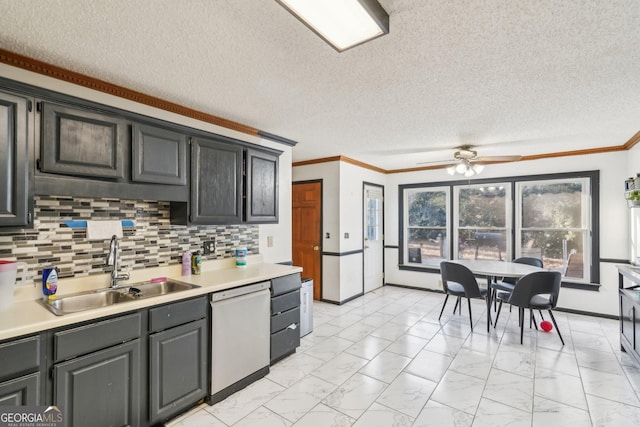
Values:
[(112, 260)]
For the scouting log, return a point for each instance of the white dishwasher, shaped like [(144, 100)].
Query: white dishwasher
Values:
[(240, 338)]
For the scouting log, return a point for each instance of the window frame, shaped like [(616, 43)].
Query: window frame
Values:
[(592, 176), (508, 228)]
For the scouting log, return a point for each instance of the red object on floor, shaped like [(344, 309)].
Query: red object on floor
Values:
[(546, 325)]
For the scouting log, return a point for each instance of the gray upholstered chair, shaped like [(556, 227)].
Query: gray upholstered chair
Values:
[(536, 291), (459, 281)]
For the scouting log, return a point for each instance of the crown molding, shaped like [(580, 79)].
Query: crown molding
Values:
[(635, 139), (59, 73)]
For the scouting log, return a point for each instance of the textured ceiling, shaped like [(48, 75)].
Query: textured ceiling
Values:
[(512, 77)]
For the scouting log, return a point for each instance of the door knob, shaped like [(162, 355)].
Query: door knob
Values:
[(366, 247), (316, 248)]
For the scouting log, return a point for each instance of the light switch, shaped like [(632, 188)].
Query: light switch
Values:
[(269, 241), (346, 235)]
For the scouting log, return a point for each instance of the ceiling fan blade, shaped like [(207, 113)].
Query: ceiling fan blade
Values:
[(442, 163), (497, 159)]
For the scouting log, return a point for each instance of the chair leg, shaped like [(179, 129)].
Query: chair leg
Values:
[(541, 316), (459, 306), (495, 323), (521, 316), (455, 307), (553, 319), (443, 305), (533, 317), (470, 318)]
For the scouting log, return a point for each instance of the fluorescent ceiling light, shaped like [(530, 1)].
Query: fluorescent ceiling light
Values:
[(341, 23)]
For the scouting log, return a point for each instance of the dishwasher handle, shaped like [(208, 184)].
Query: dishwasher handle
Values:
[(242, 290)]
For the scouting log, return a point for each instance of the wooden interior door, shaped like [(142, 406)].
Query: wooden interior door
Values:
[(307, 231)]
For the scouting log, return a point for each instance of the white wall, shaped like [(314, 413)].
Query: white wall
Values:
[(281, 232), (342, 213)]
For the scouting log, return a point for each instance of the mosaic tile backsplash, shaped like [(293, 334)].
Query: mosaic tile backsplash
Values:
[(152, 242)]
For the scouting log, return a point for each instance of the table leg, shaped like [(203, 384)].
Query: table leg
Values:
[(489, 321)]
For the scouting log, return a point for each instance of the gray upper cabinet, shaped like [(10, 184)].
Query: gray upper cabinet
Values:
[(81, 142), (159, 155), (14, 172), (216, 182), (262, 187)]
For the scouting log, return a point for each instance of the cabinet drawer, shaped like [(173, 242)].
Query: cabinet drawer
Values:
[(19, 356), (89, 338), (177, 313), (282, 320), (285, 302), (285, 284), (284, 342)]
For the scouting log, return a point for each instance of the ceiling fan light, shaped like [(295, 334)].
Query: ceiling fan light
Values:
[(461, 168), (469, 172), (478, 168), (451, 170)]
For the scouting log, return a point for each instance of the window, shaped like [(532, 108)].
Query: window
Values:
[(483, 221), (427, 225), (554, 223), (551, 217)]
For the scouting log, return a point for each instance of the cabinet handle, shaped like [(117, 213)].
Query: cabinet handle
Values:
[(292, 326), (316, 248)]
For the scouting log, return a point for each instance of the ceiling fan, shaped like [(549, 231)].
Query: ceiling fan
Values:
[(466, 161)]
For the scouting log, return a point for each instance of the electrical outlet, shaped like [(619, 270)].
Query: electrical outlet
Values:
[(209, 247)]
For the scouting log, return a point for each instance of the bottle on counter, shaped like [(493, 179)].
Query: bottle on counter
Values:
[(196, 263), (241, 257), (49, 282), (186, 263)]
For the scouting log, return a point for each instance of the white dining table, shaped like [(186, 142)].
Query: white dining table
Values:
[(492, 269)]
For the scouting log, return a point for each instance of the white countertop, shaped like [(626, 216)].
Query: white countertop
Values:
[(27, 316)]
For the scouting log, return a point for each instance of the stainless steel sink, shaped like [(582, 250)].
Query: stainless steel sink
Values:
[(89, 300)]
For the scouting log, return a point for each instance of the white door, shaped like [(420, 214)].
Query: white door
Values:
[(373, 237)]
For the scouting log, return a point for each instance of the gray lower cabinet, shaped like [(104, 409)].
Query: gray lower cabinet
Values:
[(262, 187), (177, 369), (101, 388), (21, 372), (15, 203), (177, 357), (159, 156), (82, 142), (97, 372), (216, 182), (630, 323), (24, 390)]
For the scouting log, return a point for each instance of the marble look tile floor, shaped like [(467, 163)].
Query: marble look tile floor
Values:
[(384, 359)]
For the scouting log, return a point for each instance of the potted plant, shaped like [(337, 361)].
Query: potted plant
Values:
[(633, 198)]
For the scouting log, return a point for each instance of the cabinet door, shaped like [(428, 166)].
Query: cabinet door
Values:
[(627, 321), (216, 182), (262, 187), (159, 155), (21, 391), (84, 143), (177, 369), (100, 389), (14, 173)]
